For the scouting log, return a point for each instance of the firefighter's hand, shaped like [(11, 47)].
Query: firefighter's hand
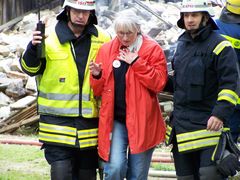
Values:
[(95, 68), (214, 124), (36, 38)]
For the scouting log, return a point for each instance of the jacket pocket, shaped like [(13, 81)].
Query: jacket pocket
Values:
[(196, 80)]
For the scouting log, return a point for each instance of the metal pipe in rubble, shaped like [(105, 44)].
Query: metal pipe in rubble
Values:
[(20, 142), (153, 12)]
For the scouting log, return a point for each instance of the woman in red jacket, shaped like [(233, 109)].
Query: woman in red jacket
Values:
[(128, 73)]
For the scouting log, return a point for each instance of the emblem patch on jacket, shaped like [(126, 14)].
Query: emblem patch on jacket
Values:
[(61, 80)]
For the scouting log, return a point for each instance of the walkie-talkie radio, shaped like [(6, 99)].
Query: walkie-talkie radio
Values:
[(40, 27)]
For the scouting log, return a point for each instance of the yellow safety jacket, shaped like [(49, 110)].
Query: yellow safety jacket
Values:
[(59, 94), (59, 85)]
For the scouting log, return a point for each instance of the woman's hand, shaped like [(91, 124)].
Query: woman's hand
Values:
[(127, 56), (95, 68)]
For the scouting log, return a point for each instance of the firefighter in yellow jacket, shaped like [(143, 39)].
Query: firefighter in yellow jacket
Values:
[(67, 108)]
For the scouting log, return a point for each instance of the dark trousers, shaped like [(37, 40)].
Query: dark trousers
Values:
[(71, 162)]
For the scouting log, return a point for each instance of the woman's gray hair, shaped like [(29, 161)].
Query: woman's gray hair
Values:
[(127, 20)]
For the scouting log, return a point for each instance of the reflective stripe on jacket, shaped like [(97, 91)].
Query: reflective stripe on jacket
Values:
[(67, 135), (235, 42), (231, 32)]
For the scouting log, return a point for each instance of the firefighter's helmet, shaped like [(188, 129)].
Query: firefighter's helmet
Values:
[(233, 6), (80, 4), (196, 6)]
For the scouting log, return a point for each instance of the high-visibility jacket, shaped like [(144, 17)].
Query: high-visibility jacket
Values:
[(59, 85), (206, 84), (232, 33), (67, 113)]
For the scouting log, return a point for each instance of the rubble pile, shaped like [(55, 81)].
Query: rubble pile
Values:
[(18, 91)]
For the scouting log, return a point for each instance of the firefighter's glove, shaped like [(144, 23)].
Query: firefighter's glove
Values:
[(229, 165)]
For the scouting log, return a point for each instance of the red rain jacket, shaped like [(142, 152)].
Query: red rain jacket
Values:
[(144, 79)]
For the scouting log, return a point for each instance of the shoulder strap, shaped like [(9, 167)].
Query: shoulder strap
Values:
[(219, 150)]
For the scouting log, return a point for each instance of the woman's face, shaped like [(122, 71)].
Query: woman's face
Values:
[(127, 38)]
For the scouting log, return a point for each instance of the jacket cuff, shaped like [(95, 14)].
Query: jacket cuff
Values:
[(223, 111), (98, 76)]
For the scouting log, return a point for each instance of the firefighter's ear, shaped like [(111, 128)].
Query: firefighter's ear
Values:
[(205, 18), (93, 18)]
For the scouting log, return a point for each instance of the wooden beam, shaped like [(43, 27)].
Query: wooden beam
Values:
[(20, 115), (13, 127)]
